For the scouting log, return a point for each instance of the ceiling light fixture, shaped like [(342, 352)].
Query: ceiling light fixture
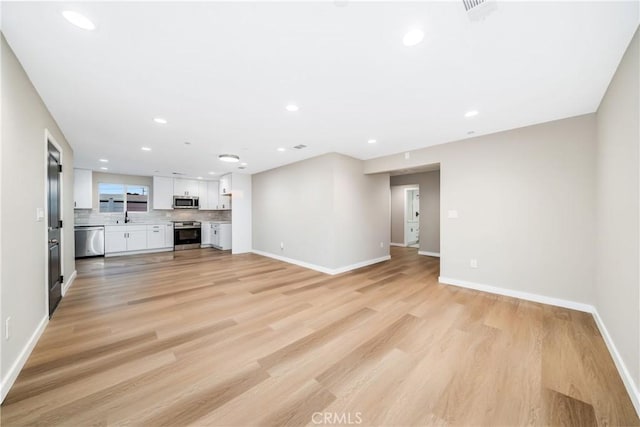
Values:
[(199, 177), (79, 20), (104, 169), (160, 120), (231, 158), (146, 149), (292, 108), (413, 37), (281, 149), (104, 160), (372, 141), (212, 173), (243, 164), (471, 113)]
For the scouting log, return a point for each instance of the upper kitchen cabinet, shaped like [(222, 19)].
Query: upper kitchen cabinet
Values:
[(162, 192), (225, 185), (82, 189), (209, 195), (185, 187)]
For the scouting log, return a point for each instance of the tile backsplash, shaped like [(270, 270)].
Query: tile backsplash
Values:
[(92, 217)]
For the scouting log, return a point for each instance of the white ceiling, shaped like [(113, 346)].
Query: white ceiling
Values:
[(222, 74)]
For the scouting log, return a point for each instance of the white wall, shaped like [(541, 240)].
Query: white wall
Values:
[(324, 210), (618, 190), (23, 293), (360, 213), (241, 231), (429, 183), (526, 202)]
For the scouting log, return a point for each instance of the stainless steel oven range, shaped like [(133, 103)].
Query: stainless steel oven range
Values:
[(186, 235)]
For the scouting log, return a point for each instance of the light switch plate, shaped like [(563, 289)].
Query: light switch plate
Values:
[(39, 214), (453, 214), (407, 155)]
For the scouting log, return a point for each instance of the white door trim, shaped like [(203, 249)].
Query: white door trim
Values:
[(404, 208)]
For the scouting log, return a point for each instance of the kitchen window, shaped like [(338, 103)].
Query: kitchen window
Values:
[(118, 198)]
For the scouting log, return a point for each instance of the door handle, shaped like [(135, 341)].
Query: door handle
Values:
[(53, 241)]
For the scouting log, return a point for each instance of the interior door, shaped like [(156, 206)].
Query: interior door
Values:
[(54, 228)]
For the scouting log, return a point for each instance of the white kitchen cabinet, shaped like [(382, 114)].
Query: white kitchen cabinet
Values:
[(162, 192), (214, 195), (203, 194), (205, 229), (82, 189), (115, 239), (224, 203), (221, 236), (137, 240), (225, 185), (209, 195), (185, 187), (168, 236), (137, 237), (156, 236)]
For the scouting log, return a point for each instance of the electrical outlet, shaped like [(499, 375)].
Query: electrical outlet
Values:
[(382, 244), (281, 245), (407, 155), (7, 328), (473, 263)]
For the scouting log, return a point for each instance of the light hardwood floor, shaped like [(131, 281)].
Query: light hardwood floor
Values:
[(205, 338)]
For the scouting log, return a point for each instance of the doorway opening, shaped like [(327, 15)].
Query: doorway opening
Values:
[(412, 217), (415, 210)]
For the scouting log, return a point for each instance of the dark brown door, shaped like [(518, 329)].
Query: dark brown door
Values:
[(54, 228)]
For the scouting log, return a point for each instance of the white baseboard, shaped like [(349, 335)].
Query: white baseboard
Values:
[(518, 294), (402, 245), (427, 253), (627, 379), (16, 367), (325, 270), (67, 285)]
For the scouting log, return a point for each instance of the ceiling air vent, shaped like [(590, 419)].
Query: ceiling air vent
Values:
[(300, 146), (478, 10), (470, 4)]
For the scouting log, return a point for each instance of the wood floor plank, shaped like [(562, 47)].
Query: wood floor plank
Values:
[(203, 338)]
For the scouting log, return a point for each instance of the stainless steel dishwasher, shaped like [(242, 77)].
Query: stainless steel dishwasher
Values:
[(89, 241)]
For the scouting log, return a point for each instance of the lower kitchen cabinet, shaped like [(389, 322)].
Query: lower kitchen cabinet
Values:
[(155, 236), (120, 239), (205, 234), (221, 236)]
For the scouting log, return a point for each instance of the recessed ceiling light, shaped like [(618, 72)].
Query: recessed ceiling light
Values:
[(104, 160), (243, 164), (199, 177), (79, 20), (372, 141), (146, 149), (471, 113), (104, 169), (231, 158), (292, 108), (282, 149), (413, 37), (212, 173), (160, 120)]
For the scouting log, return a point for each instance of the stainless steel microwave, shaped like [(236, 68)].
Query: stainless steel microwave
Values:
[(186, 202)]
